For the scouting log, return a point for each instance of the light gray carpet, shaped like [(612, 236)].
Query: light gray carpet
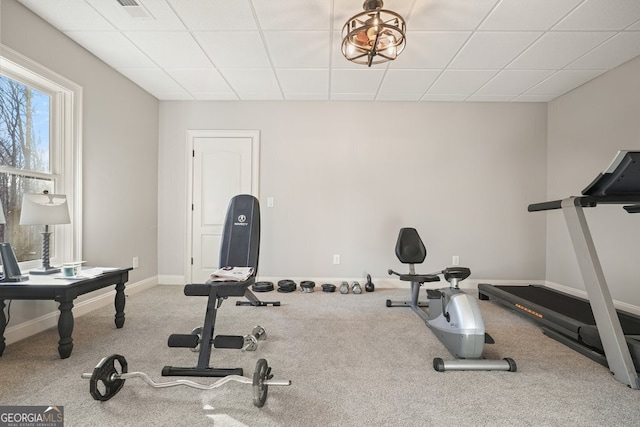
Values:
[(352, 361)]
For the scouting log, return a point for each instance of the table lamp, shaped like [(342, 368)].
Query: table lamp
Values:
[(44, 209), (10, 268)]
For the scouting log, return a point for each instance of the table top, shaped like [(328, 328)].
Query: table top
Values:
[(54, 285)]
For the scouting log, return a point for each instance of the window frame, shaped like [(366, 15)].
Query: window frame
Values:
[(65, 149)]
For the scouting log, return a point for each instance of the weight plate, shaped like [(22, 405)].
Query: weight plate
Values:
[(103, 384), (260, 389), (262, 286), (286, 285)]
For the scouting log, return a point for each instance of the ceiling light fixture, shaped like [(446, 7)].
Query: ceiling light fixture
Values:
[(373, 36)]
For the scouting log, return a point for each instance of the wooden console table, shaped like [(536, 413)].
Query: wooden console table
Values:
[(64, 291)]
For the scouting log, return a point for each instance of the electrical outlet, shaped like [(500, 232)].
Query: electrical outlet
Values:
[(455, 260), (336, 259), (135, 262)]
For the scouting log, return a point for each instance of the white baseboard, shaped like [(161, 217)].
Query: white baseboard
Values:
[(41, 323), (385, 282), (393, 283)]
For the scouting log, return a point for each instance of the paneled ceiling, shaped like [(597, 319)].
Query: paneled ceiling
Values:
[(457, 50)]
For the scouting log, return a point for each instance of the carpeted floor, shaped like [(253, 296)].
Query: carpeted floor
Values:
[(352, 362)]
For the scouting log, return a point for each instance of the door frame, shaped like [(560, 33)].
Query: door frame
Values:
[(254, 135)]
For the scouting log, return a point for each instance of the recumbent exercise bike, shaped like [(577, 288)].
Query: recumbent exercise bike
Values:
[(452, 315)]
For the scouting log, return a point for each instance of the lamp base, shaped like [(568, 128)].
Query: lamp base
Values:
[(42, 271)]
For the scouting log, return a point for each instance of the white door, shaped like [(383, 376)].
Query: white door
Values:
[(224, 164)]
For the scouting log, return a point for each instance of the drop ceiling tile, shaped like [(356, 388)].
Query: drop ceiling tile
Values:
[(234, 49), (76, 15), (298, 49), (448, 15), (180, 96), (245, 40), (200, 80), (170, 49), (261, 96), (113, 48), (513, 82), (615, 51), (601, 15), (454, 82), (244, 81), (434, 97), (555, 50), (528, 15), (153, 80), (293, 14), (160, 15), (398, 97), (306, 96), (486, 49), (364, 81), (303, 80), (489, 98), (353, 96), (200, 15), (403, 82), (534, 98), (225, 96), (563, 81), (432, 49)]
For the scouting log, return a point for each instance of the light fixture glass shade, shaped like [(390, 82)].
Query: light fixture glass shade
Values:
[(2, 218), (373, 36), (44, 209)]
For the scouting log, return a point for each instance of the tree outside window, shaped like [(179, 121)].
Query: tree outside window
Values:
[(24, 160)]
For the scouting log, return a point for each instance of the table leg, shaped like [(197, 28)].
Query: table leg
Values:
[(65, 328), (3, 322), (119, 303)]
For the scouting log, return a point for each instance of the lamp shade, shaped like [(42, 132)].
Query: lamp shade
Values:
[(44, 209), (2, 218)]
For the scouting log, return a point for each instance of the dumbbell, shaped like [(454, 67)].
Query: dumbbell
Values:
[(251, 341)]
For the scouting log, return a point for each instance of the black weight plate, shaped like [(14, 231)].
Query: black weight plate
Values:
[(260, 389), (307, 284), (328, 287), (102, 385), (286, 285), (262, 286)]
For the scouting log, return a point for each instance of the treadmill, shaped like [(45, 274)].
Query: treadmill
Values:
[(593, 327)]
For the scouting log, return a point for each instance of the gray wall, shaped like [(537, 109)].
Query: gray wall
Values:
[(586, 129), (346, 176), (120, 150)]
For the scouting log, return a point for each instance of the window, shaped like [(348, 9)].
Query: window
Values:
[(39, 150)]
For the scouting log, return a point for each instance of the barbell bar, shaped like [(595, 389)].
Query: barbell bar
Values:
[(107, 380)]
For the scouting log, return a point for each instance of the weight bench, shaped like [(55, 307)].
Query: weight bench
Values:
[(240, 248)]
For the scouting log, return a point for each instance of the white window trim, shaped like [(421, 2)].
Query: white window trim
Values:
[(66, 127)]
